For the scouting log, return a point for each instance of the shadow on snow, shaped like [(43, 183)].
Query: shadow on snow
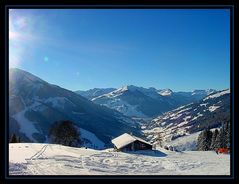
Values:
[(152, 153)]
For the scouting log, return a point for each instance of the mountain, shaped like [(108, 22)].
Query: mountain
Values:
[(145, 102), (165, 92), (196, 94), (210, 112), (135, 101), (92, 93), (35, 104)]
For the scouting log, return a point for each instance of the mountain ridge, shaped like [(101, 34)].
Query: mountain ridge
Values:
[(210, 112), (35, 104), (163, 100)]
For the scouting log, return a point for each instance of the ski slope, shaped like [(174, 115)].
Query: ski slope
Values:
[(53, 159)]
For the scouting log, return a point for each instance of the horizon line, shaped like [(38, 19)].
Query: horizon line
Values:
[(120, 86)]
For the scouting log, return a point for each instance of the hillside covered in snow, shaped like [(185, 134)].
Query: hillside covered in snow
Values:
[(103, 114), (142, 102), (34, 105), (53, 159), (186, 121)]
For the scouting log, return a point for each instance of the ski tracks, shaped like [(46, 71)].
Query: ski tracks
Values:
[(38, 154)]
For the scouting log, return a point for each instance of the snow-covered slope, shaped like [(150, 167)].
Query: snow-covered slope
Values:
[(134, 101), (146, 102), (34, 105), (53, 159), (185, 143), (90, 140), (216, 95), (165, 92), (92, 93), (210, 112)]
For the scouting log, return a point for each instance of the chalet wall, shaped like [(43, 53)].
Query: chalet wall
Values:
[(136, 145)]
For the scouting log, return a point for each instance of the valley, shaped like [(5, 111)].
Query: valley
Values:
[(102, 114)]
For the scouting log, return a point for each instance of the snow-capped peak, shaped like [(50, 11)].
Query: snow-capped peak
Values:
[(123, 89), (217, 94), (129, 88), (116, 92), (203, 92), (165, 92), (210, 91)]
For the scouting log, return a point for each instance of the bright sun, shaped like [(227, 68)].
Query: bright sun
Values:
[(20, 35)]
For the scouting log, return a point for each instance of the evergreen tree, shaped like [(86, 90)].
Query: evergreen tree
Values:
[(13, 139), (208, 139), (204, 140), (218, 142), (217, 139), (199, 141), (214, 137), (223, 138), (228, 134), (19, 139), (65, 133)]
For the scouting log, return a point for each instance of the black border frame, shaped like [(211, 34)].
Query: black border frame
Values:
[(232, 165)]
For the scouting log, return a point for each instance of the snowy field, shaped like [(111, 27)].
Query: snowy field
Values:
[(185, 143), (52, 159)]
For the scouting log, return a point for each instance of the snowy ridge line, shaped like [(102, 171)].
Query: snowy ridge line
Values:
[(178, 122), (112, 94), (217, 94)]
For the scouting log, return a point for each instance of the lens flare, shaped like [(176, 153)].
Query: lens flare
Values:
[(46, 59)]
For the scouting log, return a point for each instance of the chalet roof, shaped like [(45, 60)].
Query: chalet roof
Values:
[(126, 139)]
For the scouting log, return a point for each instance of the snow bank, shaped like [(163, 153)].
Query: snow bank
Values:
[(95, 141), (26, 126), (53, 159), (185, 143)]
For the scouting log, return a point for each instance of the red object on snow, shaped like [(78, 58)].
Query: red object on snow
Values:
[(223, 150)]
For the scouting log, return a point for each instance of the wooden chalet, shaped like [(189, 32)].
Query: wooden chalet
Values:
[(126, 142)]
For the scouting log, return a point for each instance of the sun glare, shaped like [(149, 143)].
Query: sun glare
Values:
[(20, 34)]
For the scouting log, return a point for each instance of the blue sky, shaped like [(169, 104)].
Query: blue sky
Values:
[(81, 49)]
